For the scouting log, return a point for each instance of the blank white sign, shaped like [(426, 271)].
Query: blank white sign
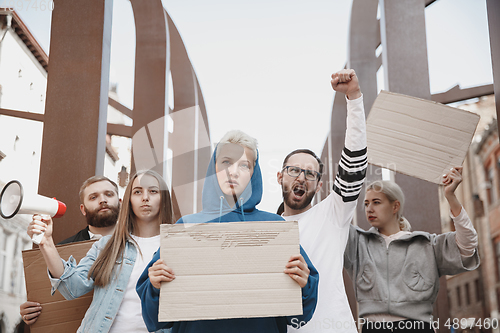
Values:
[(229, 270), (417, 137)]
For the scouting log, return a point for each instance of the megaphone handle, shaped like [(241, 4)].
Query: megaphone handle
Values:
[(37, 238)]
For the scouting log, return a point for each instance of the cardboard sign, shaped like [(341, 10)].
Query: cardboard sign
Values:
[(417, 137), (229, 270), (58, 314)]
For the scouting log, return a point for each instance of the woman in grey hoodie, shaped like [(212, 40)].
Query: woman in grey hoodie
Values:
[(396, 272)]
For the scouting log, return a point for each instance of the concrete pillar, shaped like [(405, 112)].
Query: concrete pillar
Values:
[(151, 68), (74, 134), (364, 38), (405, 47), (204, 151), (406, 71), (190, 140)]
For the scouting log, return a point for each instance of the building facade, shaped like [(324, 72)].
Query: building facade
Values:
[(23, 82), (476, 294)]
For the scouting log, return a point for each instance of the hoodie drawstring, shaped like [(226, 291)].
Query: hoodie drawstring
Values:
[(241, 207), (220, 209)]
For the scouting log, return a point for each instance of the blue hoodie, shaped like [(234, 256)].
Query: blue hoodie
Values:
[(217, 209)]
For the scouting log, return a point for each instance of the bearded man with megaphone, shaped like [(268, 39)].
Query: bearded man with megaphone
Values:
[(100, 204)]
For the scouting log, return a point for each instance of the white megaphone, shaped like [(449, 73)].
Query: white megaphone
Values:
[(14, 201)]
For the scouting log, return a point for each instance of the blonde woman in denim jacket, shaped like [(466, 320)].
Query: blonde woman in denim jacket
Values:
[(114, 263), (396, 272)]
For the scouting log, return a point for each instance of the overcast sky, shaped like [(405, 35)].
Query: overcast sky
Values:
[(264, 66)]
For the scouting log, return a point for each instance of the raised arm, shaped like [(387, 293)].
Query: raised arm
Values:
[(353, 162), (466, 235)]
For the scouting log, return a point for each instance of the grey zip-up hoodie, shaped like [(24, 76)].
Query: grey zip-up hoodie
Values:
[(402, 279)]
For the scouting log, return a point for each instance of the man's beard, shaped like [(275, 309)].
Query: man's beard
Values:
[(104, 219), (297, 205)]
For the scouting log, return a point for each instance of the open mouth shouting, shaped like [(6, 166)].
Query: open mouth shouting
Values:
[(298, 196), (299, 192)]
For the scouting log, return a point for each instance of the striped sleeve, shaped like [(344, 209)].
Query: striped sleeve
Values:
[(351, 174), (353, 162)]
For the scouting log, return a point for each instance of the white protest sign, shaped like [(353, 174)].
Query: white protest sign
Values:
[(229, 270), (417, 137)]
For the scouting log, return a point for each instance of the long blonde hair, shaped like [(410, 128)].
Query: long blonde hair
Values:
[(102, 269), (393, 193)]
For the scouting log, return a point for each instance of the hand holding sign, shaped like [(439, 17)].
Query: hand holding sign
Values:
[(159, 273), (451, 180), (297, 269)]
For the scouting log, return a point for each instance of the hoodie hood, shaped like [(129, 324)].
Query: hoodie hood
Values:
[(215, 204)]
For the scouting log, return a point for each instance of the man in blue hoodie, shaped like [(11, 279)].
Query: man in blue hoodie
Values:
[(232, 189)]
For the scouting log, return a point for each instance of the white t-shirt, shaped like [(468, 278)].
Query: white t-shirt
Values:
[(129, 316), (324, 230)]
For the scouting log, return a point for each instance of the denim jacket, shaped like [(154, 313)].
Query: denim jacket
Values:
[(74, 283)]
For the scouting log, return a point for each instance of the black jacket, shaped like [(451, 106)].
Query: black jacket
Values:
[(80, 236)]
